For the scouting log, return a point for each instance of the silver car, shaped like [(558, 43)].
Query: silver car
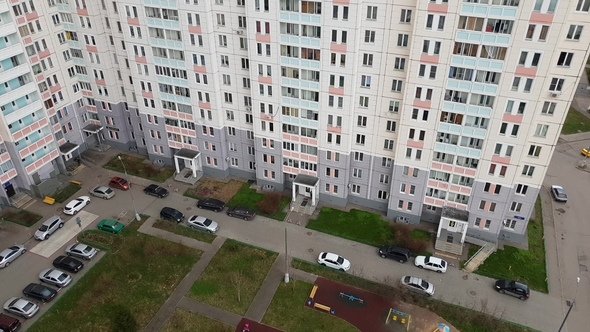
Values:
[(417, 285), (102, 192), (21, 307), (202, 223), (81, 250), (55, 277), (7, 256), (48, 227)]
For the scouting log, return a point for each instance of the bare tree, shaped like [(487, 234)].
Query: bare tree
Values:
[(237, 279)]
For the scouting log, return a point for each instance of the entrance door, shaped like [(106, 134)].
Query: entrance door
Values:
[(9, 189), (307, 192)]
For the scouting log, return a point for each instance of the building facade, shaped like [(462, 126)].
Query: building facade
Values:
[(405, 106)]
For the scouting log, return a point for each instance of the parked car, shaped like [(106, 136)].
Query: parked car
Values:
[(102, 192), (211, 204), (171, 214), (40, 292), (513, 288), (558, 193), (111, 226), (8, 255), (155, 190), (9, 324), (431, 263), (119, 183), (241, 212), (81, 250), (21, 307), (202, 223), (334, 261), (68, 263), (55, 277), (76, 205), (586, 152), (398, 253), (48, 227), (417, 285)]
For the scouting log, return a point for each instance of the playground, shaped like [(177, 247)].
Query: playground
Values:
[(370, 312)]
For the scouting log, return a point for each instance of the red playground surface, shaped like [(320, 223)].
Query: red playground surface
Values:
[(364, 310), (255, 326)]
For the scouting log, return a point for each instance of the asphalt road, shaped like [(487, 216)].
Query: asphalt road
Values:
[(542, 312)]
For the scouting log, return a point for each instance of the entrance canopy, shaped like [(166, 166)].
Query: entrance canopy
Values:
[(68, 148), (92, 128), (310, 183), (191, 157)]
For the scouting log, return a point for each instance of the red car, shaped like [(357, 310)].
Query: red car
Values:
[(119, 183)]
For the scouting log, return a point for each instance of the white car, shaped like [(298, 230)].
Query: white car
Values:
[(431, 263), (417, 285), (21, 307), (202, 223), (76, 205), (334, 261), (81, 250), (55, 277)]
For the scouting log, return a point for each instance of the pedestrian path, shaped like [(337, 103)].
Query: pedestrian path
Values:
[(64, 235), (185, 285), (267, 290)]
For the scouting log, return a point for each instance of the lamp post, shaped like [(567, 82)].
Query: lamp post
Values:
[(286, 250), (571, 306), (137, 217)]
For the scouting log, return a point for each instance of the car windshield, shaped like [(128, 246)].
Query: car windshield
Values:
[(443, 263), (1, 258), (340, 260), (43, 228), (108, 191), (87, 249), (44, 291), (28, 306), (114, 225), (424, 284), (406, 279), (207, 222), (62, 277)]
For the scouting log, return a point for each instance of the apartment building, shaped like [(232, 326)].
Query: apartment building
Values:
[(439, 111)]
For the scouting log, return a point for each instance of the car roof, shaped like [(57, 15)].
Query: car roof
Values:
[(198, 218), (6, 252), (557, 187), (331, 256), (153, 186), (433, 259), (6, 320), (108, 222), (51, 220), (212, 200), (117, 178)]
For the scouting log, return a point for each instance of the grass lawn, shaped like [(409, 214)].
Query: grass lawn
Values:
[(527, 266), (184, 321), (575, 122), (288, 312), (249, 198), (175, 228), (21, 217), (419, 234), (465, 320), (136, 166), (233, 277), (356, 225), (67, 192), (138, 274)]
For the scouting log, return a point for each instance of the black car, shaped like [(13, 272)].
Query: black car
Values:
[(241, 212), (155, 190), (40, 292), (171, 214), (68, 263), (211, 204), (513, 288), (398, 253)]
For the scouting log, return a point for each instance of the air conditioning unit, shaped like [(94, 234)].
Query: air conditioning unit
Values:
[(555, 94), (240, 32), (248, 109)]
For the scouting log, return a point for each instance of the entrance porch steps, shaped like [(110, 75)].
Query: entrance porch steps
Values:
[(186, 176), (20, 199)]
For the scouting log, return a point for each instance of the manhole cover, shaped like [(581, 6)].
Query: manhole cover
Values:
[(465, 277), (472, 293), (186, 199), (309, 233), (188, 208), (560, 210), (58, 209), (310, 250), (99, 176)]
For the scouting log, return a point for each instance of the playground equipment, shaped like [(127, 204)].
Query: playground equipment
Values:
[(398, 317), (318, 305), (351, 297)]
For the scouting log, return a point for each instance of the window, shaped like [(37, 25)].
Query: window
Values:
[(394, 106), (371, 12), (388, 144), (574, 32), (396, 85), (509, 223), (406, 16), (369, 36), (356, 189), (534, 151), (565, 59), (400, 63), (548, 108), (360, 139), (382, 194), (368, 60), (556, 84), (521, 189), (365, 81), (390, 126), (583, 6), (364, 101), (402, 40), (528, 170)]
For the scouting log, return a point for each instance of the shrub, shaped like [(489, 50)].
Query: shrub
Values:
[(403, 236), (270, 204), (123, 320)]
